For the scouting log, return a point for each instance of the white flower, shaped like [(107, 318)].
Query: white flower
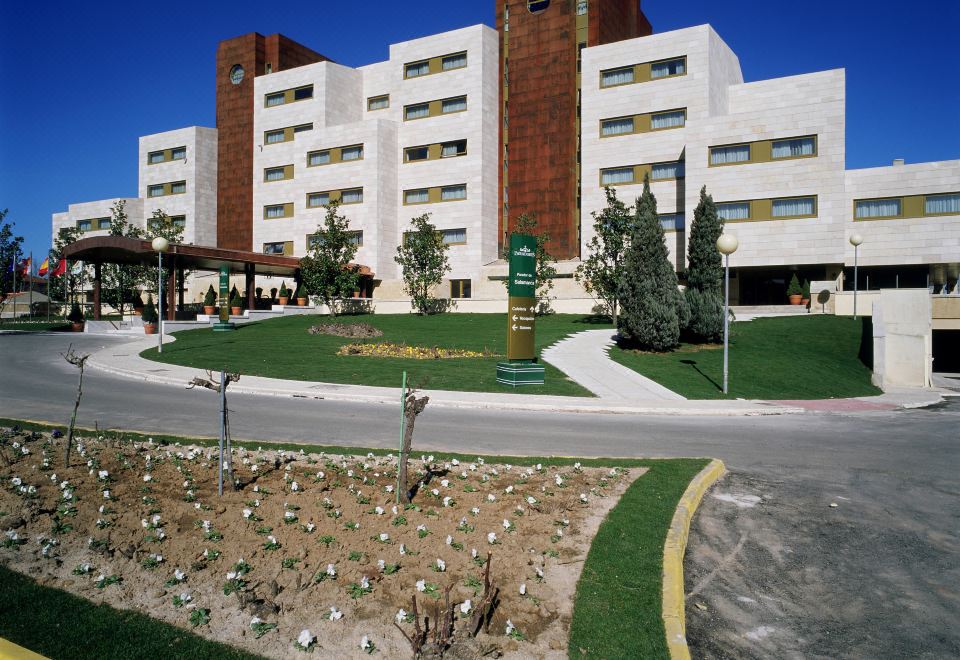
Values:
[(364, 582), (255, 620), (206, 525), (179, 575), (421, 585), (492, 538), (475, 511), (523, 589), (491, 498), (559, 481), (455, 462), (378, 510), (539, 572), (256, 489), (381, 564), (466, 606), (473, 552), (445, 483), (507, 524), (186, 598), (401, 615), (364, 643), (156, 519), (447, 500), (294, 486), (305, 639), (335, 614), (509, 489), (441, 565), (421, 528), (583, 497), (106, 494), (388, 488), (289, 514), (103, 474), (510, 626), (196, 505), (310, 527), (531, 500), (403, 549), (576, 466), (247, 513), (231, 575), (272, 538), (148, 477), (435, 492), (320, 475), (384, 537), (539, 467), (331, 570), (449, 539)]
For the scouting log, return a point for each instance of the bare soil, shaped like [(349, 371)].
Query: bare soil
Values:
[(352, 330), (319, 509)]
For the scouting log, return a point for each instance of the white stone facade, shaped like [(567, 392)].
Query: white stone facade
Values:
[(95, 213)]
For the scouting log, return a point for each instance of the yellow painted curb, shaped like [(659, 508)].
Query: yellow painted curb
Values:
[(674, 619), (9, 650)]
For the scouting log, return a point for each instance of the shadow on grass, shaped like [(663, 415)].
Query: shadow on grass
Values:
[(693, 363)]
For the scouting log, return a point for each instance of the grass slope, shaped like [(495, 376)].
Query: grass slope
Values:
[(281, 348), (617, 608), (791, 357), (57, 624)]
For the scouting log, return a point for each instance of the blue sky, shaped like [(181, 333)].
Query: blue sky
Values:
[(80, 82)]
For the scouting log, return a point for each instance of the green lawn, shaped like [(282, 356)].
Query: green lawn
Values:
[(281, 348), (792, 357)]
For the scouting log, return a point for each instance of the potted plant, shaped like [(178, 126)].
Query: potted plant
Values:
[(273, 295), (284, 293), (236, 304), (301, 295), (210, 302), (794, 290), (805, 296), (259, 292), (76, 318), (137, 301), (149, 316)]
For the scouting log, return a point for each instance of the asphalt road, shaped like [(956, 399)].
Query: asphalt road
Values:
[(876, 576)]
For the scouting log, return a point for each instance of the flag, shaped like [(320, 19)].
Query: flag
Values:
[(60, 269), (44, 267), (25, 266)]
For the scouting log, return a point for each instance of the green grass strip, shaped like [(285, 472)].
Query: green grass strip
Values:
[(57, 624), (617, 608)]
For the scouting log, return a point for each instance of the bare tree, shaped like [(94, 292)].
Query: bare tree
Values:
[(412, 406), (78, 361), (225, 448)]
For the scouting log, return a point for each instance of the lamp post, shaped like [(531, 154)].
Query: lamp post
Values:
[(855, 241), (160, 245), (727, 244)]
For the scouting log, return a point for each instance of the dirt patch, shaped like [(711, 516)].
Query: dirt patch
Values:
[(306, 533), (351, 330)]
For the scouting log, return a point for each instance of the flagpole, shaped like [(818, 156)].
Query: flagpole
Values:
[(48, 289), (30, 286), (14, 294), (66, 284)]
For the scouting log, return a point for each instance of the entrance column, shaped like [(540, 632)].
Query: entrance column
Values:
[(96, 292), (180, 288), (251, 271), (172, 289)]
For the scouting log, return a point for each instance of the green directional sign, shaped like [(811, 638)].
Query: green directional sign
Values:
[(521, 367), (224, 324)]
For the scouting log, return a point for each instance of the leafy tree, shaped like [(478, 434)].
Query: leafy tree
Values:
[(326, 270), (601, 272), (160, 224), (10, 252), (65, 237), (704, 292), (652, 307), (422, 257), (527, 224), (120, 281)]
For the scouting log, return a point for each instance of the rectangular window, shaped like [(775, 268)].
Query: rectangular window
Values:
[(352, 196), (454, 236), (85, 225), (420, 196), (459, 288), (672, 119), (614, 175), (303, 93), (416, 111), (667, 171), (302, 127), (738, 153), (413, 154), (318, 158), (274, 174), (457, 61), (416, 69), (274, 99), (672, 221), (676, 67), (942, 204), (155, 157), (378, 102), (273, 248), (456, 148), (733, 210), (318, 199), (794, 148), (274, 211), (581, 7), (794, 207), (155, 191), (455, 104), (449, 193), (273, 137), (104, 223), (352, 153), (180, 153), (178, 221), (878, 208), (616, 126), (614, 77), (178, 187)]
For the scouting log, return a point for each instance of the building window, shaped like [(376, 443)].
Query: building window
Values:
[(156, 157), (581, 7), (667, 68), (180, 153), (303, 127), (794, 207), (303, 93), (155, 190), (354, 237), (178, 221), (315, 200), (273, 137), (456, 61), (378, 102), (351, 153), (104, 223), (672, 221), (274, 174), (614, 77), (738, 153), (416, 69), (178, 187), (878, 208), (275, 211), (413, 154), (274, 248), (942, 204), (667, 171), (620, 126), (274, 99), (419, 196), (794, 148), (450, 193), (85, 225), (616, 175), (352, 196), (733, 211), (455, 148), (454, 236), (459, 288), (455, 104), (672, 119), (417, 111), (318, 158)]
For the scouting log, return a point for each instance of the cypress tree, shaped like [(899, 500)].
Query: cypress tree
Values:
[(652, 307), (704, 292)]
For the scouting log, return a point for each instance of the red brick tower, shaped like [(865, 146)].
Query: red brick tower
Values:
[(239, 61), (540, 43)]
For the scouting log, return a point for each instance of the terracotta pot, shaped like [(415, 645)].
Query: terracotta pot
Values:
[(76, 327), (804, 301), (209, 310), (236, 311), (795, 300), (284, 300), (149, 328), (302, 302)]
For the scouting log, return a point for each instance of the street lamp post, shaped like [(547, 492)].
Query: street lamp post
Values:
[(855, 241), (727, 244), (160, 245)]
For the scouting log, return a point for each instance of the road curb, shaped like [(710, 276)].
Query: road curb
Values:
[(674, 617)]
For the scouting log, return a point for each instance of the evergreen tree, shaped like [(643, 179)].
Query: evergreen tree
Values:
[(11, 252), (704, 292), (326, 271), (601, 271), (652, 307), (422, 257)]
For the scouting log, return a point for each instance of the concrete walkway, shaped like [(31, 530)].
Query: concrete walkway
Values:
[(584, 357)]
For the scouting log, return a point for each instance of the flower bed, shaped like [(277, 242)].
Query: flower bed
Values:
[(389, 350), (312, 551), (352, 330)]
